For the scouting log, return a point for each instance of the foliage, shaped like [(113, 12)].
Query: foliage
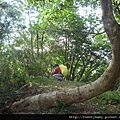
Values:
[(104, 103), (35, 36), (116, 8), (117, 86), (107, 103), (12, 70), (110, 97), (67, 37)]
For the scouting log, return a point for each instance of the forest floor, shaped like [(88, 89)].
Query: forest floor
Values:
[(107, 103)]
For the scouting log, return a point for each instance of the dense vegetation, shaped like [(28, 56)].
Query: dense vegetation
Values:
[(34, 35)]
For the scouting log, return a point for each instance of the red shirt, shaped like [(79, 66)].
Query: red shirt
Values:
[(57, 70)]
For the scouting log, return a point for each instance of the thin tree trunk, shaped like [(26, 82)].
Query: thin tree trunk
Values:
[(31, 34), (104, 83), (42, 42), (37, 41)]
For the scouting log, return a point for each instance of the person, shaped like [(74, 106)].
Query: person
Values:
[(57, 72)]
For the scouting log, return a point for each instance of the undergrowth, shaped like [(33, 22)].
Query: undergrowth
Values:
[(106, 103)]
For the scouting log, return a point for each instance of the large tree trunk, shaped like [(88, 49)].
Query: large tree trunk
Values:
[(104, 83)]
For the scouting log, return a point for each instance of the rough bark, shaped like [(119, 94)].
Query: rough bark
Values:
[(104, 83)]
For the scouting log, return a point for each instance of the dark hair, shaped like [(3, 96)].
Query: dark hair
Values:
[(55, 65)]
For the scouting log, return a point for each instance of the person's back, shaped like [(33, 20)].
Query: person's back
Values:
[(64, 70)]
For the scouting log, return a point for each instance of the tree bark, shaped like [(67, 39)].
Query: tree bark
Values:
[(104, 83)]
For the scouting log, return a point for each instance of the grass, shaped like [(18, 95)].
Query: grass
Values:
[(106, 103), (53, 84)]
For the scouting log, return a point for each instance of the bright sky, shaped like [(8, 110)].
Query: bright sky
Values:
[(86, 10)]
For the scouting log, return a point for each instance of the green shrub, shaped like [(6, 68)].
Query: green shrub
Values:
[(110, 97)]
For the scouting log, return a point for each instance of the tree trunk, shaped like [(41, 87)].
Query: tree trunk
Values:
[(42, 42), (104, 83), (37, 41)]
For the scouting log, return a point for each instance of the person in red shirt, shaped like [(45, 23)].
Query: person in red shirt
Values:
[(57, 72)]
